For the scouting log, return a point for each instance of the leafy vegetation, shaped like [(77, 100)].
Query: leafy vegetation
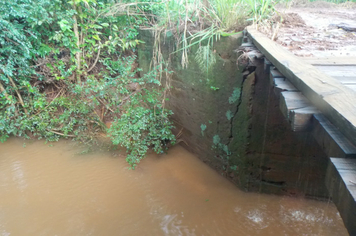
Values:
[(67, 68)]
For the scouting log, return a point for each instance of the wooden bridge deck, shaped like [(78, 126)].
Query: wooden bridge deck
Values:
[(345, 73), (319, 95)]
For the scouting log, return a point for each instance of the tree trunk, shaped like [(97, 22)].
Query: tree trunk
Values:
[(77, 55)]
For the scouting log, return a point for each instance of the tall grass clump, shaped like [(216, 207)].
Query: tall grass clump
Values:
[(231, 13), (259, 10), (199, 23)]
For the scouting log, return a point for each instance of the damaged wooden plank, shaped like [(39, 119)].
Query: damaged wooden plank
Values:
[(302, 119), (340, 180), (290, 101), (331, 140)]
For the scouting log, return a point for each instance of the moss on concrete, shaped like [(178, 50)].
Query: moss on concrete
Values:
[(234, 124)]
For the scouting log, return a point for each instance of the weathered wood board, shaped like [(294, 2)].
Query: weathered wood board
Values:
[(336, 101), (341, 183), (281, 85), (351, 86), (329, 61), (267, 65), (302, 119), (248, 44), (346, 80), (332, 141), (340, 71), (274, 74), (290, 101)]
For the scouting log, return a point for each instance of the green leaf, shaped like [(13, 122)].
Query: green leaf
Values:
[(96, 37), (64, 25), (97, 26)]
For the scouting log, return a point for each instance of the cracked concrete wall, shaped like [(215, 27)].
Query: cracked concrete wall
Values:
[(233, 123), (203, 104), (274, 159)]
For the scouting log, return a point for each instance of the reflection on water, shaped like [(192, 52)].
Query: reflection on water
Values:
[(51, 190)]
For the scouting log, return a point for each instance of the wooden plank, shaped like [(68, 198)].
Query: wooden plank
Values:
[(334, 100), (351, 86), (282, 85), (302, 119), (331, 140), (340, 183), (346, 80), (344, 163), (249, 44), (290, 101), (267, 65), (325, 61), (274, 73), (340, 71)]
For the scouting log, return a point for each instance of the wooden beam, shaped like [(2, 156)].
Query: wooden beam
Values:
[(274, 73), (340, 180), (334, 100), (248, 44), (290, 101), (302, 119), (329, 61), (331, 140), (267, 65), (300, 112), (282, 85)]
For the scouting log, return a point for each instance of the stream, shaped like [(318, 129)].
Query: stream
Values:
[(51, 189)]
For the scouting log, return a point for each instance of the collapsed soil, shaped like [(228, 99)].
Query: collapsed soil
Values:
[(313, 30)]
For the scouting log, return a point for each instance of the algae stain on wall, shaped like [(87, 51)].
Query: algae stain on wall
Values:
[(223, 120), (200, 99), (235, 96)]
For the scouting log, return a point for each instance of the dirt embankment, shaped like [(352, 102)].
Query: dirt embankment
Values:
[(319, 29)]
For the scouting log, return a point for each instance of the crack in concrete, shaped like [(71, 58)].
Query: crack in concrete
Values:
[(250, 70)]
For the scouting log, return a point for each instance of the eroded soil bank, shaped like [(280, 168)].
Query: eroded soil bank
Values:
[(49, 189)]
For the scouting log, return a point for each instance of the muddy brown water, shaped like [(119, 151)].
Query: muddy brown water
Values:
[(48, 189)]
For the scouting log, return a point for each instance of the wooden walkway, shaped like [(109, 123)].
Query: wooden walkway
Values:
[(318, 95), (342, 69)]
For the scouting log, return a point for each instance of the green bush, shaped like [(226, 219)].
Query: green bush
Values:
[(141, 128)]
